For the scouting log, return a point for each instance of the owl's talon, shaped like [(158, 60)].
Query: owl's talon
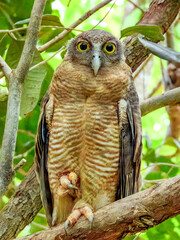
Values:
[(72, 186), (69, 181), (66, 224), (82, 209)]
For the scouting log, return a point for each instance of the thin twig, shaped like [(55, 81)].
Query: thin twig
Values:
[(155, 89), (20, 165), (136, 6), (137, 236), (27, 133), (105, 15), (39, 225), (165, 164), (9, 19), (155, 181), (46, 60), (75, 24), (68, 3), (23, 155), (138, 70), (41, 215), (1, 85), (42, 26), (1, 75)]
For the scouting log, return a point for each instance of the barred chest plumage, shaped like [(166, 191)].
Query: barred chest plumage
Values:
[(84, 135)]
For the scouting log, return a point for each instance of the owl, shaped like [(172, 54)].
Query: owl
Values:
[(88, 143)]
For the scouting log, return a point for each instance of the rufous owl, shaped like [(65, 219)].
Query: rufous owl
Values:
[(88, 144)]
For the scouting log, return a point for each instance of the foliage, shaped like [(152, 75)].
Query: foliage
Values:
[(160, 158)]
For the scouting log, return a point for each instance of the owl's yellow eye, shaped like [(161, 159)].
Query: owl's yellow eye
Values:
[(83, 46), (109, 47)]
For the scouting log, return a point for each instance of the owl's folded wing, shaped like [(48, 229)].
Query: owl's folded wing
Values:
[(41, 157), (129, 117)]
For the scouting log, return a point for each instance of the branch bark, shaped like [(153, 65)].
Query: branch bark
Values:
[(127, 216), (21, 209), (170, 97), (5, 68), (16, 79), (160, 13)]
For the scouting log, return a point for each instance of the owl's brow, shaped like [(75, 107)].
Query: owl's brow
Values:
[(82, 40)]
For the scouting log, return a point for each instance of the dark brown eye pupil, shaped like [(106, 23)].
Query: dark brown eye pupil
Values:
[(109, 48), (83, 46)]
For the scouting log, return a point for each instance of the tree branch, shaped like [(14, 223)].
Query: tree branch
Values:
[(75, 24), (21, 209), (127, 216), (5, 68), (16, 79), (170, 97), (160, 13)]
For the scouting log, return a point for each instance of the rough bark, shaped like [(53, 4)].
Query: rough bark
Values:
[(161, 13), (21, 209), (127, 216)]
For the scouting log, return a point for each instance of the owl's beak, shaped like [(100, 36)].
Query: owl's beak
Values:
[(96, 63)]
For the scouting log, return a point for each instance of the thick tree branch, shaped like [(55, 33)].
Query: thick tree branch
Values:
[(75, 24), (127, 216), (5, 68), (16, 79), (160, 13), (21, 209), (170, 97)]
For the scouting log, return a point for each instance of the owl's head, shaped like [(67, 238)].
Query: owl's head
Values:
[(95, 48)]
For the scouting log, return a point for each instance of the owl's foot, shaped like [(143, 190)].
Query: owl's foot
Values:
[(80, 208), (68, 185), (69, 181)]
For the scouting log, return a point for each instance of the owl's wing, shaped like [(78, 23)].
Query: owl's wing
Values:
[(41, 157), (129, 118)]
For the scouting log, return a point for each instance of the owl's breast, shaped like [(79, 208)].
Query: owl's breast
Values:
[(79, 82)]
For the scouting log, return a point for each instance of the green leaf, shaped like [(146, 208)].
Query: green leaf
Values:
[(34, 79), (47, 20), (150, 31), (167, 150), (46, 34), (150, 155), (172, 142)]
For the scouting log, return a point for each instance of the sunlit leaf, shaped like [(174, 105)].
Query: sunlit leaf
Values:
[(152, 32), (172, 142), (167, 150), (34, 79)]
